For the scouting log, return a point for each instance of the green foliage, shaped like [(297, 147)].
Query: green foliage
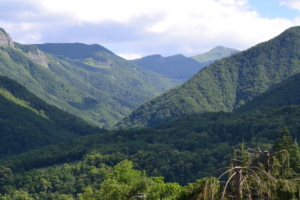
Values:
[(182, 151), (202, 189), (26, 48), (25, 104), (27, 122), (285, 142), (79, 181), (250, 178), (284, 94), (226, 84)]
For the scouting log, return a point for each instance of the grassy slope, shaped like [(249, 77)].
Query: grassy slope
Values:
[(225, 84)]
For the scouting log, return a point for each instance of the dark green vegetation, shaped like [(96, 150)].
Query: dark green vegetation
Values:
[(182, 150), (27, 122), (96, 177), (226, 84), (85, 80), (283, 94), (180, 67)]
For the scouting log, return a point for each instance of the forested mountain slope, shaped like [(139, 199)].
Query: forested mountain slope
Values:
[(284, 94), (85, 80), (180, 67), (28, 122), (182, 150), (225, 84)]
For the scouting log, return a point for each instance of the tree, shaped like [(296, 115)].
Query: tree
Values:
[(285, 142), (252, 174)]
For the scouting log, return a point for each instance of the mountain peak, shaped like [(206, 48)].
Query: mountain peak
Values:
[(221, 49), (5, 39), (215, 54)]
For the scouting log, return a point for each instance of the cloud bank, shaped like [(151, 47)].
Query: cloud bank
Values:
[(135, 28)]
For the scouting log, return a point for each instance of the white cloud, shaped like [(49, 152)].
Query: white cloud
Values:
[(143, 27), (295, 4), (130, 56)]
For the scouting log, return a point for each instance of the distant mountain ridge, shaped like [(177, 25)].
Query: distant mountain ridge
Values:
[(214, 54), (180, 67), (88, 81), (226, 84), (175, 67)]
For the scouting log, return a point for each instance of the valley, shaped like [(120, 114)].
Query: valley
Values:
[(103, 127)]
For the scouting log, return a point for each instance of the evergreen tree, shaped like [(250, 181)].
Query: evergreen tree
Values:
[(284, 142)]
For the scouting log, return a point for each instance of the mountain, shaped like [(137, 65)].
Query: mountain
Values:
[(226, 84), (184, 149), (175, 67), (28, 122), (216, 53), (88, 81), (180, 67)]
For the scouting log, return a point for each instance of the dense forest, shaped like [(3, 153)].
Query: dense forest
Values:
[(91, 178), (181, 151)]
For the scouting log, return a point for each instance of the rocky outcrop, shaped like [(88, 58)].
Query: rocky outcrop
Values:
[(38, 57), (31, 51), (5, 39)]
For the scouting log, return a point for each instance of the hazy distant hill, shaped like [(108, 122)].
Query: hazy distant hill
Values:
[(86, 80), (174, 67), (27, 122), (180, 67), (225, 84), (215, 54)]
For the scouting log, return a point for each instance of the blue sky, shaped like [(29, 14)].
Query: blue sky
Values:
[(135, 28), (273, 9)]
